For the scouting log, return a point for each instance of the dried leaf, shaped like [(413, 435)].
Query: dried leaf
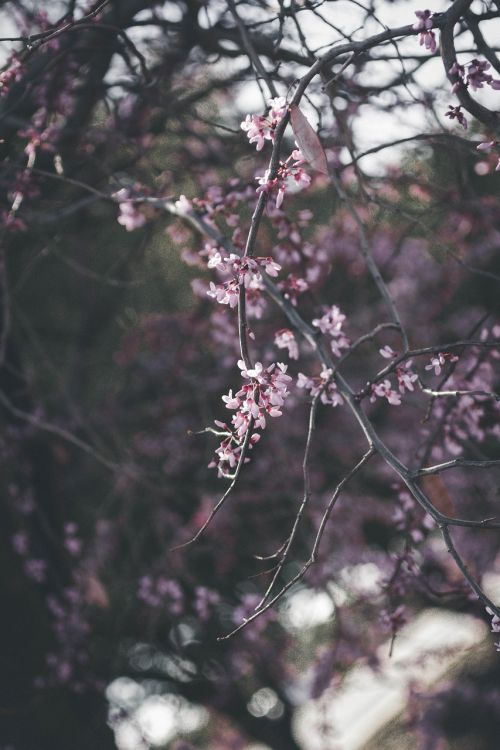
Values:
[(438, 494), (308, 141), (95, 593)]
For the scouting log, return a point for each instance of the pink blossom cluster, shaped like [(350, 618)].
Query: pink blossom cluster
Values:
[(387, 352), (263, 395), (261, 128), (34, 567), (255, 299), (205, 602), (331, 324), (406, 377), (466, 420), (130, 217), (384, 389), (404, 373), (285, 339), (216, 202), (424, 24), (291, 250), (11, 74), (455, 113), (245, 271), (71, 629), (161, 592), (226, 294), (439, 360), (474, 75), (324, 385), (72, 541), (292, 286), (39, 138), (288, 172)]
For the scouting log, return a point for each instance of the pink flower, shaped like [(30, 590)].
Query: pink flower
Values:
[(331, 325), (263, 395), (457, 70), (225, 294), (285, 339), (270, 266), (256, 130), (424, 22), (324, 385), (428, 40), (456, 113), (292, 286), (261, 128), (13, 73), (216, 261), (288, 173), (130, 217), (387, 352), (331, 322), (255, 372), (406, 377), (486, 146), (477, 76), (436, 363), (278, 107), (230, 401), (384, 390)]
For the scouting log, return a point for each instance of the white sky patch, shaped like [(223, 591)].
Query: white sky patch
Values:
[(367, 701), (157, 719), (152, 720), (491, 585), (374, 126), (306, 609), (364, 579), (128, 737)]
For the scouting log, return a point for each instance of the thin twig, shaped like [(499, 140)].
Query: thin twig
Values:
[(226, 494), (313, 557), (305, 499)]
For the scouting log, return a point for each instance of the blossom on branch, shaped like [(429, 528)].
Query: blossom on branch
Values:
[(259, 128), (455, 113), (387, 352), (473, 74), (385, 390), (288, 173), (263, 395), (406, 377), (323, 385), (330, 324), (245, 270), (130, 217), (424, 24), (477, 76), (439, 360), (285, 339)]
